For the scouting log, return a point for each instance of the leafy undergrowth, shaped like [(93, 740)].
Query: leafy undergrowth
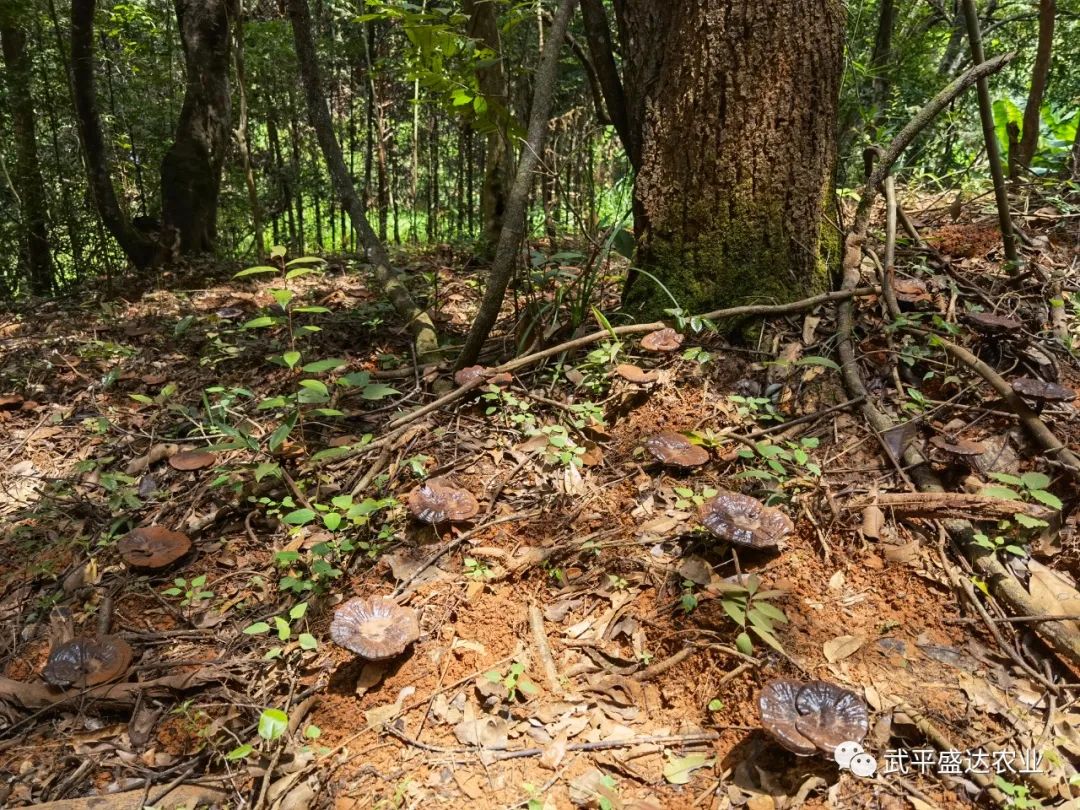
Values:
[(584, 641)]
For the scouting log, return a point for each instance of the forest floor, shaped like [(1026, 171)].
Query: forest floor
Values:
[(582, 614)]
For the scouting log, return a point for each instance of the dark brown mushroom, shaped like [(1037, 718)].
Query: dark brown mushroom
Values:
[(10, 402), (990, 323), (957, 447), (1041, 391), (636, 374), (153, 547), (375, 628), (745, 521), (192, 460), (675, 450), (662, 340), (87, 661), (779, 717), (830, 715), (817, 716), (434, 502)]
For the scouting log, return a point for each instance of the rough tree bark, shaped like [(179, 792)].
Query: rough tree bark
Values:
[(140, 250), (27, 175), (419, 322), (513, 229), (1029, 137), (191, 168), (736, 103), (499, 161)]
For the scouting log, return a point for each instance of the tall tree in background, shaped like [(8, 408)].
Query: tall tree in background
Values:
[(140, 250), (499, 160), (1029, 138), (191, 169), (27, 174), (736, 103)]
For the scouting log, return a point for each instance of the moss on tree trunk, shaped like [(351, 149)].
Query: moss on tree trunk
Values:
[(737, 105)]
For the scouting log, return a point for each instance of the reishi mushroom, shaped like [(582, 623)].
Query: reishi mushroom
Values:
[(189, 460), (745, 521), (434, 502), (1040, 391), (675, 450), (87, 661), (810, 717), (635, 374), (469, 373), (153, 547), (991, 323), (662, 340), (375, 628), (959, 446)]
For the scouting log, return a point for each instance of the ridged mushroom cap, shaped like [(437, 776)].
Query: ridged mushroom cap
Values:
[(675, 450), (376, 628), (816, 716), (87, 661), (745, 521), (433, 502)]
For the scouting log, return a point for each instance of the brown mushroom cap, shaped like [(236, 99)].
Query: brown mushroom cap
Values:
[(993, 324), (662, 340), (1042, 391), (636, 374), (153, 547), (805, 718), (192, 460), (87, 661), (675, 450), (433, 502), (830, 715), (376, 628), (958, 447), (779, 717), (745, 521)]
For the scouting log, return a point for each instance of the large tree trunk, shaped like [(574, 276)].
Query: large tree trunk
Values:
[(191, 168), (499, 162), (27, 177), (1029, 139), (737, 105), (140, 250), (419, 322)]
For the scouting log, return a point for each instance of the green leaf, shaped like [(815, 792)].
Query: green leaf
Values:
[(313, 732), (277, 252), (143, 398), (816, 360), (291, 358), (267, 468), (320, 366), (772, 611), (307, 641), (1005, 478), (257, 629), (332, 520), (311, 309), (356, 379), (1035, 480), (254, 271), (378, 391), (258, 323), (716, 705), (283, 629), (299, 517), (278, 437), (283, 297), (298, 611), (239, 752), (768, 638), (332, 452), (735, 611), (272, 724), (1029, 522), (744, 644), (318, 386), (1047, 498), (306, 260), (1001, 492)]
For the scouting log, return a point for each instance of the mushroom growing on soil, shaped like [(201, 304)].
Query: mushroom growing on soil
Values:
[(990, 323), (816, 716), (745, 521), (636, 374), (153, 547), (675, 450), (376, 628), (1040, 392), (87, 661), (433, 502), (192, 460), (662, 340)]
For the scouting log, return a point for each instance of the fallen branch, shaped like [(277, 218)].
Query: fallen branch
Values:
[(179, 796), (112, 696), (951, 504)]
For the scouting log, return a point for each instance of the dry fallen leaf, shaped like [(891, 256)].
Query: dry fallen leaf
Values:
[(842, 647), (678, 770)]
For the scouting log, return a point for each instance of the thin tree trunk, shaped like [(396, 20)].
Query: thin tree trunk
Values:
[(295, 171), (243, 139), (33, 207), (882, 56), (1029, 138), (418, 321), (140, 250), (513, 229), (598, 37)]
